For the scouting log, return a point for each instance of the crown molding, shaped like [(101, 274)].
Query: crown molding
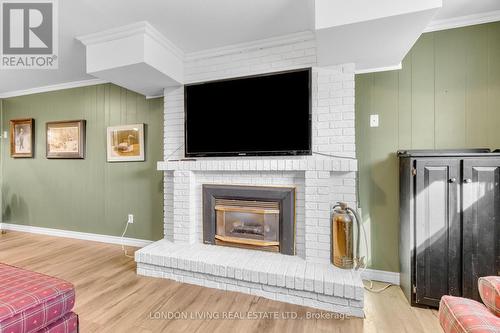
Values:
[(248, 46), (463, 21), (154, 96), (138, 28), (114, 33), (379, 69), (54, 87)]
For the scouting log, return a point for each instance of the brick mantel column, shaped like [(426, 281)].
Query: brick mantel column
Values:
[(184, 207), (317, 216)]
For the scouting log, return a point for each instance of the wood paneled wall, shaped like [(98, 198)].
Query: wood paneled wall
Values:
[(89, 195), (447, 95)]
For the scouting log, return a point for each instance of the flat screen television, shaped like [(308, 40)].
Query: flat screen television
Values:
[(266, 114)]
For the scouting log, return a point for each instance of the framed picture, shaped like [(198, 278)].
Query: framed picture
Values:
[(22, 139), (66, 139), (125, 143)]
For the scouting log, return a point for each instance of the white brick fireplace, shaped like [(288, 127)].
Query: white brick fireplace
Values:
[(306, 278)]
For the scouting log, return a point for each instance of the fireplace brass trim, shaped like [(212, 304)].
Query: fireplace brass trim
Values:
[(247, 203), (246, 209), (247, 241), (244, 244)]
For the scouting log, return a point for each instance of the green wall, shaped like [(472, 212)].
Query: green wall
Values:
[(87, 195), (447, 95)]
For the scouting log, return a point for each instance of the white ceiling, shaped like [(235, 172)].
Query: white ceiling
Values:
[(192, 25), (457, 8)]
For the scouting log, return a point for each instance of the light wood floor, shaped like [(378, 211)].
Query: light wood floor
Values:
[(112, 298)]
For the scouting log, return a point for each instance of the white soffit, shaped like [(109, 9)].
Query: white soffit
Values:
[(372, 34), (136, 57)]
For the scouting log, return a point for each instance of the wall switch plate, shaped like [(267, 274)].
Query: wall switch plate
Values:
[(130, 218), (5, 135), (374, 120)]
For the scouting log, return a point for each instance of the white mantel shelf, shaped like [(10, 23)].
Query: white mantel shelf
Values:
[(303, 164)]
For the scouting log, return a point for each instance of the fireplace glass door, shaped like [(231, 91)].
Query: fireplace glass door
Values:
[(248, 224)]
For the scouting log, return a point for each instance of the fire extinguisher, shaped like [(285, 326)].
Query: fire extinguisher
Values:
[(343, 255)]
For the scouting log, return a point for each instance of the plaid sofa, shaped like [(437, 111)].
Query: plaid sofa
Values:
[(461, 315), (33, 302)]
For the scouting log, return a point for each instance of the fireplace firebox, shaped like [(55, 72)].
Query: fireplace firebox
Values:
[(255, 217)]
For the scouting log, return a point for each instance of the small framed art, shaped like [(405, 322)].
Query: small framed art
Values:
[(22, 139), (125, 143), (66, 139)]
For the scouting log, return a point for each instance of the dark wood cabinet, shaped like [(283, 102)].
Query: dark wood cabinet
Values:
[(449, 222), (481, 222), (437, 230)]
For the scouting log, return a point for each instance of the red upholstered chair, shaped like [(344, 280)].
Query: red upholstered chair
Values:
[(34, 303), (461, 315), (489, 289)]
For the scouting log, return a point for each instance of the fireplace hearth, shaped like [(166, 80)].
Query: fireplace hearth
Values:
[(252, 217)]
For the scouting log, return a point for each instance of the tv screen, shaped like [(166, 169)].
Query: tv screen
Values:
[(259, 115)]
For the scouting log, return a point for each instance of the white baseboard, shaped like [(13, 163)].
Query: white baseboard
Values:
[(383, 276), (77, 235)]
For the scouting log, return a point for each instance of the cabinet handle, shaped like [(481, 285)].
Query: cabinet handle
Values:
[(467, 180), (452, 180)]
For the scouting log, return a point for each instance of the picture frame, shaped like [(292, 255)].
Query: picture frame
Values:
[(65, 139), (22, 138), (125, 143)]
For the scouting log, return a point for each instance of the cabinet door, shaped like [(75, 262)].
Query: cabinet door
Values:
[(481, 222), (437, 230)]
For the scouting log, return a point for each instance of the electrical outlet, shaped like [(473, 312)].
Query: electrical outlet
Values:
[(374, 120), (130, 218)]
